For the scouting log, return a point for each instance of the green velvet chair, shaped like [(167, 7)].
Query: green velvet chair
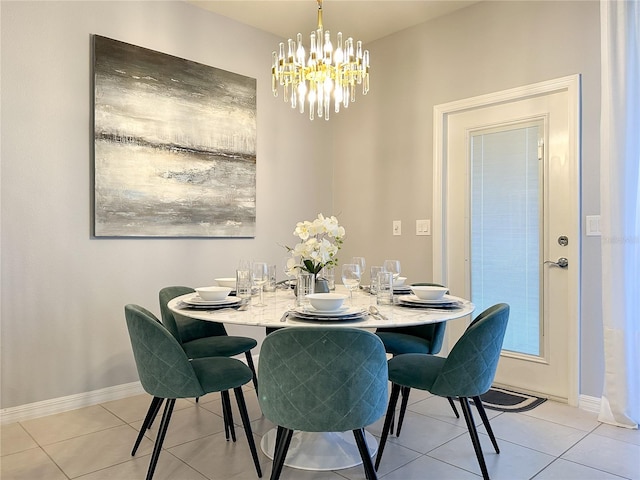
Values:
[(200, 339), (322, 380), (414, 339), (203, 339), (167, 373), (466, 373)]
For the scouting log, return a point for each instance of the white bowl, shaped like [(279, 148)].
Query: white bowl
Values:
[(226, 282), (326, 302), (425, 292), (398, 282), (213, 293)]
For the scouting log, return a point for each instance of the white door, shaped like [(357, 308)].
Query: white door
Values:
[(507, 175)]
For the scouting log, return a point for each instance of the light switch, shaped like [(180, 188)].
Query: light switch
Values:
[(423, 227), (397, 227), (592, 225)]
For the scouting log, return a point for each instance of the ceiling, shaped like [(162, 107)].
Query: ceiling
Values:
[(360, 19)]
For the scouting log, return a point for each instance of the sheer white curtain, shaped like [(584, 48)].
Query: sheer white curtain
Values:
[(620, 210)]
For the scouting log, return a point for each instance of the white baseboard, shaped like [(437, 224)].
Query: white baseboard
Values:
[(589, 404), (71, 402), (118, 392), (79, 400)]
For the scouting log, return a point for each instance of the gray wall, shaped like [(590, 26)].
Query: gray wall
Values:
[(62, 292), (386, 148)]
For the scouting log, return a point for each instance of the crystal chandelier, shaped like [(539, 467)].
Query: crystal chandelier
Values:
[(323, 74)]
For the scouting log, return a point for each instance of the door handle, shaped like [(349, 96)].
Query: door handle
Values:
[(561, 263)]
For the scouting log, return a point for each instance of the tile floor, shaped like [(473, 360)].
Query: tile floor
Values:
[(553, 441)]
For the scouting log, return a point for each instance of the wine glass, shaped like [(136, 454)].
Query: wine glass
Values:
[(351, 278), (392, 266), (259, 273), (359, 261), (291, 272)]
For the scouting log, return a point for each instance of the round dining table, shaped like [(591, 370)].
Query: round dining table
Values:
[(311, 450)]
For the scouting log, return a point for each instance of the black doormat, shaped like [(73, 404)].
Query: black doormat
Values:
[(508, 401)]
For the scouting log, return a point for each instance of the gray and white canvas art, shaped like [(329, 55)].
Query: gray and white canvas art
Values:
[(175, 146)]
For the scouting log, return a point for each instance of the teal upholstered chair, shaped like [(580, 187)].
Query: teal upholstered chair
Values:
[(466, 373), (322, 380), (414, 339), (199, 339), (167, 373)]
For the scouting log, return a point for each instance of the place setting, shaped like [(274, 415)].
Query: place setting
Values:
[(429, 296), (211, 298), (327, 307)]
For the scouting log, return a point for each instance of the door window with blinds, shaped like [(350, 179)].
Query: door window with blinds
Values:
[(506, 229)]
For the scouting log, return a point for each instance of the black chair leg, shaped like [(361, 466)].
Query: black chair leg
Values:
[(453, 407), (246, 423), (283, 440), (148, 420), (361, 441), (164, 425), (227, 415), (403, 408), (395, 392), (485, 421), (253, 370), (473, 433)]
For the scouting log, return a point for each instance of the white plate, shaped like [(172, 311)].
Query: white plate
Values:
[(446, 300), (401, 289), (352, 313), (344, 311), (197, 301), (338, 311), (300, 316)]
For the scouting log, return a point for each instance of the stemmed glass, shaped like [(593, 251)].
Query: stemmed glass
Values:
[(392, 266), (359, 261), (351, 278), (259, 273), (290, 275)]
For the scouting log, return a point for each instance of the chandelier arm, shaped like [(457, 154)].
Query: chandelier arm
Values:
[(319, 14)]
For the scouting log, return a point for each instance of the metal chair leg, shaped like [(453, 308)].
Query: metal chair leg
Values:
[(164, 425), (246, 423), (361, 442), (283, 440), (156, 402), (403, 408), (473, 433), (393, 400), (227, 415), (253, 370), (485, 421), (453, 407)]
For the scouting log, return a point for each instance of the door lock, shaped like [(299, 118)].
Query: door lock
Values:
[(561, 263), (563, 240)]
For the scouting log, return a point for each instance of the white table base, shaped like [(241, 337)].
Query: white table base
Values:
[(320, 451)]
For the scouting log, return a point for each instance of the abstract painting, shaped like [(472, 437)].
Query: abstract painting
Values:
[(174, 146)]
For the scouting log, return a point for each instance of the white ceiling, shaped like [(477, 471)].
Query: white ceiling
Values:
[(365, 20)]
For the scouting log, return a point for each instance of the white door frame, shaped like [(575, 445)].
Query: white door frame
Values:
[(570, 84)]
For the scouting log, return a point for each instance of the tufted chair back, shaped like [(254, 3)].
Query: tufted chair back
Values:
[(183, 328), (471, 366), (322, 379), (163, 366)]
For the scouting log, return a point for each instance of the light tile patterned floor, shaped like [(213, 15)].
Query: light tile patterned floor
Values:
[(553, 441)]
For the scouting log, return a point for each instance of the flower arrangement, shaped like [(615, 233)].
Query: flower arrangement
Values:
[(320, 242)]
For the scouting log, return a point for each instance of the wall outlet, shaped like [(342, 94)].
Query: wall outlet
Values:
[(397, 227), (423, 227)]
